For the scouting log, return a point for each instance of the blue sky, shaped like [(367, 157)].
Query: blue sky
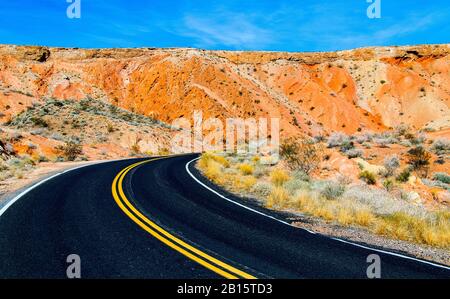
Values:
[(284, 25)]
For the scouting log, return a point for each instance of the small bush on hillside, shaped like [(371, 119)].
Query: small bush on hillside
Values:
[(70, 150), (301, 154), (354, 153), (388, 184), (338, 139), (391, 164), (39, 122), (441, 146), (368, 177), (419, 159), (442, 177), (403, 177)]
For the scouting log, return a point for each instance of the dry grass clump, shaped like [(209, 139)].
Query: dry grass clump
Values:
[(278, 177), (277, 198), (246, 169), (217, 169)]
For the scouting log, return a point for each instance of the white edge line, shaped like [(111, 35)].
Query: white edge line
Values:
[(23, 193), (284, 222)]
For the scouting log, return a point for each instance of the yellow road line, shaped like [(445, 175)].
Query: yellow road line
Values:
[(167, 238)]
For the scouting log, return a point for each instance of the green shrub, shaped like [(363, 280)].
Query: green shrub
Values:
[(403, 177), (442, 177), (368, 177), (37, 121), (388, 184)]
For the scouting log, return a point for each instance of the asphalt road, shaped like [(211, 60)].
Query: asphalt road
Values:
[(153, 220)]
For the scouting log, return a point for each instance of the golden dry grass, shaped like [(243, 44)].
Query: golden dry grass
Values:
[(246, 169), (431, 230), (278, 177)]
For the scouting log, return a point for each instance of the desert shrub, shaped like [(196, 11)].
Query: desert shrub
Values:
[(246, 169), (301, 154), (363, 138), (338, 139), (260, 171), (402, 130), (70, 150), (300, 175), (441, 146), (368, 177), (262, 188), (332, 190), (293, 185), (391, 164), (442, 177), (380, 201), (419, 159), (435, 183), (277, 198), (403, 176), (39, 122), (354, 153), (110, 128), (278, 177), (388, 184)]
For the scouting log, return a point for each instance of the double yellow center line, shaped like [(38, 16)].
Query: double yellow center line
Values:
[(167, 238)]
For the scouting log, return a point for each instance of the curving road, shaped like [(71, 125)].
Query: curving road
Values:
[(159, 219)]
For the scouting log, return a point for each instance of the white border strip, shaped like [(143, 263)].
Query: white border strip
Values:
[(284, 222)]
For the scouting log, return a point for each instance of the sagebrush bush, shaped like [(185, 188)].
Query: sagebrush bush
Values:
[(391, 164), (300, 175), (262, 188), (338, 139), (354, 153), (441, 146), (442, 177), (332, 190), (71, 150), (293, 185)]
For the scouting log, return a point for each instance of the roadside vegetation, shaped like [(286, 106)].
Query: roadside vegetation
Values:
[(377, 200)]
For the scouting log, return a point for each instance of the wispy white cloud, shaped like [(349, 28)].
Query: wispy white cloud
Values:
[(228, 29)]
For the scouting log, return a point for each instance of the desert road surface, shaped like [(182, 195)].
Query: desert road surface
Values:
[(157, 218)]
